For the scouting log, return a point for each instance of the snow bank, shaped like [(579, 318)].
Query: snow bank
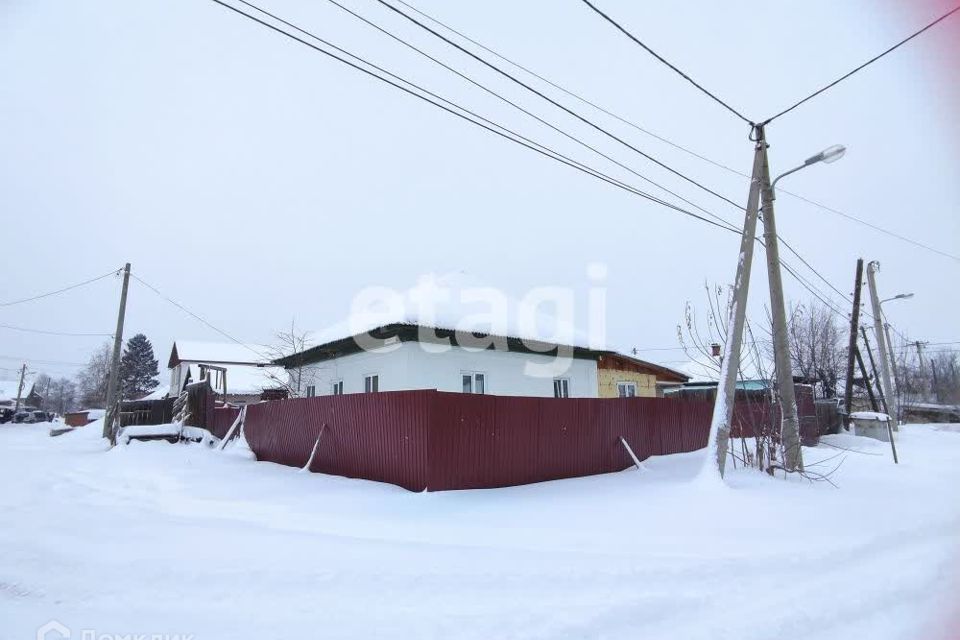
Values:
[(109, 542), (869, 415)]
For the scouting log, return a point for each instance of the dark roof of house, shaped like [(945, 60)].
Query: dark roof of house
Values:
[(404, 332)]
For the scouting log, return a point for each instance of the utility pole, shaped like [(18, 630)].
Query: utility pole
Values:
[(730, 362), (866, 380), (23, 374), (852, 345), (790, 423), (111, 416), (927, 389), (893, 359), (888, 391), (873, 367)]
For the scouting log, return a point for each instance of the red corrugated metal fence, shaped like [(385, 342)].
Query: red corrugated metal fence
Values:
[(440, 441)]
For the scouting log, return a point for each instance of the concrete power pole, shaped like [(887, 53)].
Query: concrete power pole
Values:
[(23, 374), (889, 393), (730, 363), (893, 357), (852, 346), (790, 425), (111, 416)]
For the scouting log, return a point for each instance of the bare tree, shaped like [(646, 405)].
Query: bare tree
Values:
[(291, 342), (945, 376), (93, 379), (702, 339), (817, 349)]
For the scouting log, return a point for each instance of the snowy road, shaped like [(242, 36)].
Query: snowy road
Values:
[(169, 539)]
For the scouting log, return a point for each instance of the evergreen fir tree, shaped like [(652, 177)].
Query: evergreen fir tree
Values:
[(138, 368)]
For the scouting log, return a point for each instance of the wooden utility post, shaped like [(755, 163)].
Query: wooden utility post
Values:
[(866, 380), (23, 374), (730, 363), (873, 367), (852, 345), (790, 422), (111, 416)]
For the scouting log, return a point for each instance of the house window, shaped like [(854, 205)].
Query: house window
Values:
[(311, 391), (337, 388), (473, 382), (561, 388), (627, 389), (371, 383)]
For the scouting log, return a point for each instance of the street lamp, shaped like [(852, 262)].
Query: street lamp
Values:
[(899, 296), (828, 155)]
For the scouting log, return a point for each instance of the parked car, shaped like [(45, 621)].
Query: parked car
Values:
[(23, 417), (42, 416), (6, 415)]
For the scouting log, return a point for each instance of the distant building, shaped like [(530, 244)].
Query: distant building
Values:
[(29, 397), (623, 376), (234, 371)]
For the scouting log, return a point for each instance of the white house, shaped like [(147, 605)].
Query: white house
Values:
[(410, 356), (236, 370)]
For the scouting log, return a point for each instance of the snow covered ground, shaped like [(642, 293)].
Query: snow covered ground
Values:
[(155, 538)]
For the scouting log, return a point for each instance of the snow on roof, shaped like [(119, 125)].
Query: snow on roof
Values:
[(216, 352), (252, 380), (870, 415), (456, 301), (247, 379), (157, 394), (8, 389)]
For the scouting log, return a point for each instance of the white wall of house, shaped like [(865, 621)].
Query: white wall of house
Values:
[(410, 366)]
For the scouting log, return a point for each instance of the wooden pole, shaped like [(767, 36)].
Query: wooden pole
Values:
[(873, 366), (852, 348), (866, 380), (108, 431)]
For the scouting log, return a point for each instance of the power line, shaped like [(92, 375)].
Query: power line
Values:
[(571, 93), (43, 362), (726, 226), (893, 234), (862, 66), (57, 333), (541, 149), (195, 316), (809, 266), (53, 293), (666, 62), (482, 87), (556, 104), (671, 143)]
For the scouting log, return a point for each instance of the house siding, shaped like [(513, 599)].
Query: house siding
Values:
[(409, 365), (607, 380)]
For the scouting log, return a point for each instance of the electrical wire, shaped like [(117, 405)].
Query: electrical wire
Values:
[(669, 142), (862, 66), (556, 104), (667, 63), (541, 149), (728, 227), (43, 362), (58, 291), (57, 333), (197, 317), (491, 92)]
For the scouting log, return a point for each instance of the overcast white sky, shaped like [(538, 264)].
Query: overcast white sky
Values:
[(256, 181)]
